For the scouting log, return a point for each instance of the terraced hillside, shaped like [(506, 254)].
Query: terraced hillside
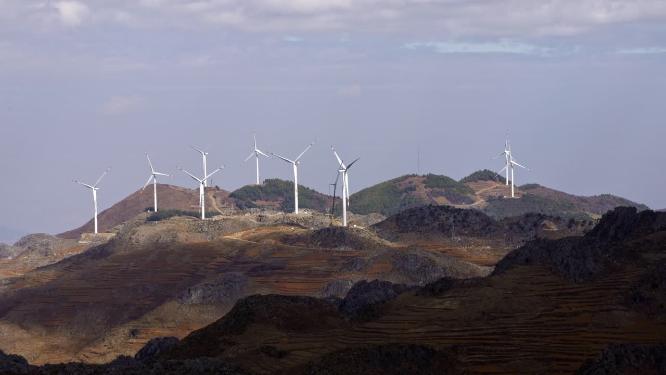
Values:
[(552, 307)]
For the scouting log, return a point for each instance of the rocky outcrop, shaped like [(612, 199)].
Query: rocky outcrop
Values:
[(42, 244), (364, 298), (582, 258), (152, 350), (9, 251), (339, 238), (226, 289)]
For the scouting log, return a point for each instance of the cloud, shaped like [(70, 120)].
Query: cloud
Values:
[(72, 13), (642, 51), (501, 47), (453, 18), (293, 39), (120, 105)]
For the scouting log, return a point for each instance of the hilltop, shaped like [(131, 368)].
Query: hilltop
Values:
[(278, 194), (483, 190), (169, 198)]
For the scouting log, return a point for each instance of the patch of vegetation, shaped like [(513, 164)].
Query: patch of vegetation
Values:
[(166, 214), (530, 186), (500, 207), (276, 190), (433, 181), (482, 175), (385, 198)]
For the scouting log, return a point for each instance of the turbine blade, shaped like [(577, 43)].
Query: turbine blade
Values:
[(263, 153), (199, 151), (148, 182), (342, 165), (501, 170), (352, 163), (213, 172), (250, 156), (283, 158), (151, 163), (518, 165), (84, 184), (161, 174), (191, 175), (101, 177), (304, 151)]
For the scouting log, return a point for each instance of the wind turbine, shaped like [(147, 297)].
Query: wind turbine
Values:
[(295, 164), (507, 160), (202, 188), (153, 178), (204, 156), (344, 169), (335, 189), (510, 165), (256, 153), (94, 189)]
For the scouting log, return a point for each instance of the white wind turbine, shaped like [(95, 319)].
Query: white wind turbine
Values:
[(510, 166), (202, 188), (94, 189), (256, 153), (204, 157), (344, 170), (295, 164), (153, 178)]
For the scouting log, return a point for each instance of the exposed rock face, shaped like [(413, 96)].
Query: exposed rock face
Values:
[(364, 297), (582, 258), (449, 222), (226, 289), (155, 347), (339, 238), (9, 251), (385, 360), (443, 220), (627, 359), (337, 288), (41, 244), (625, 222)]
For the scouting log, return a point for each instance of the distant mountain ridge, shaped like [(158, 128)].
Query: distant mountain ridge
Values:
[(483, 190)]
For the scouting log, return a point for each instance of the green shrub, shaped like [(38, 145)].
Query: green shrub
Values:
[(433, 181), (482, 175), (166, 214)]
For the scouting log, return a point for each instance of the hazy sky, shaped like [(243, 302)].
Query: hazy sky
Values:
[(84, 85)]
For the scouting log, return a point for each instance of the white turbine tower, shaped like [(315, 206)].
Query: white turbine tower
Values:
[(204, 157), (295, 164), (344, 170), (94, 189), (507, 161), (202, 188), (153, 178), (510, 166), (256, 153)]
